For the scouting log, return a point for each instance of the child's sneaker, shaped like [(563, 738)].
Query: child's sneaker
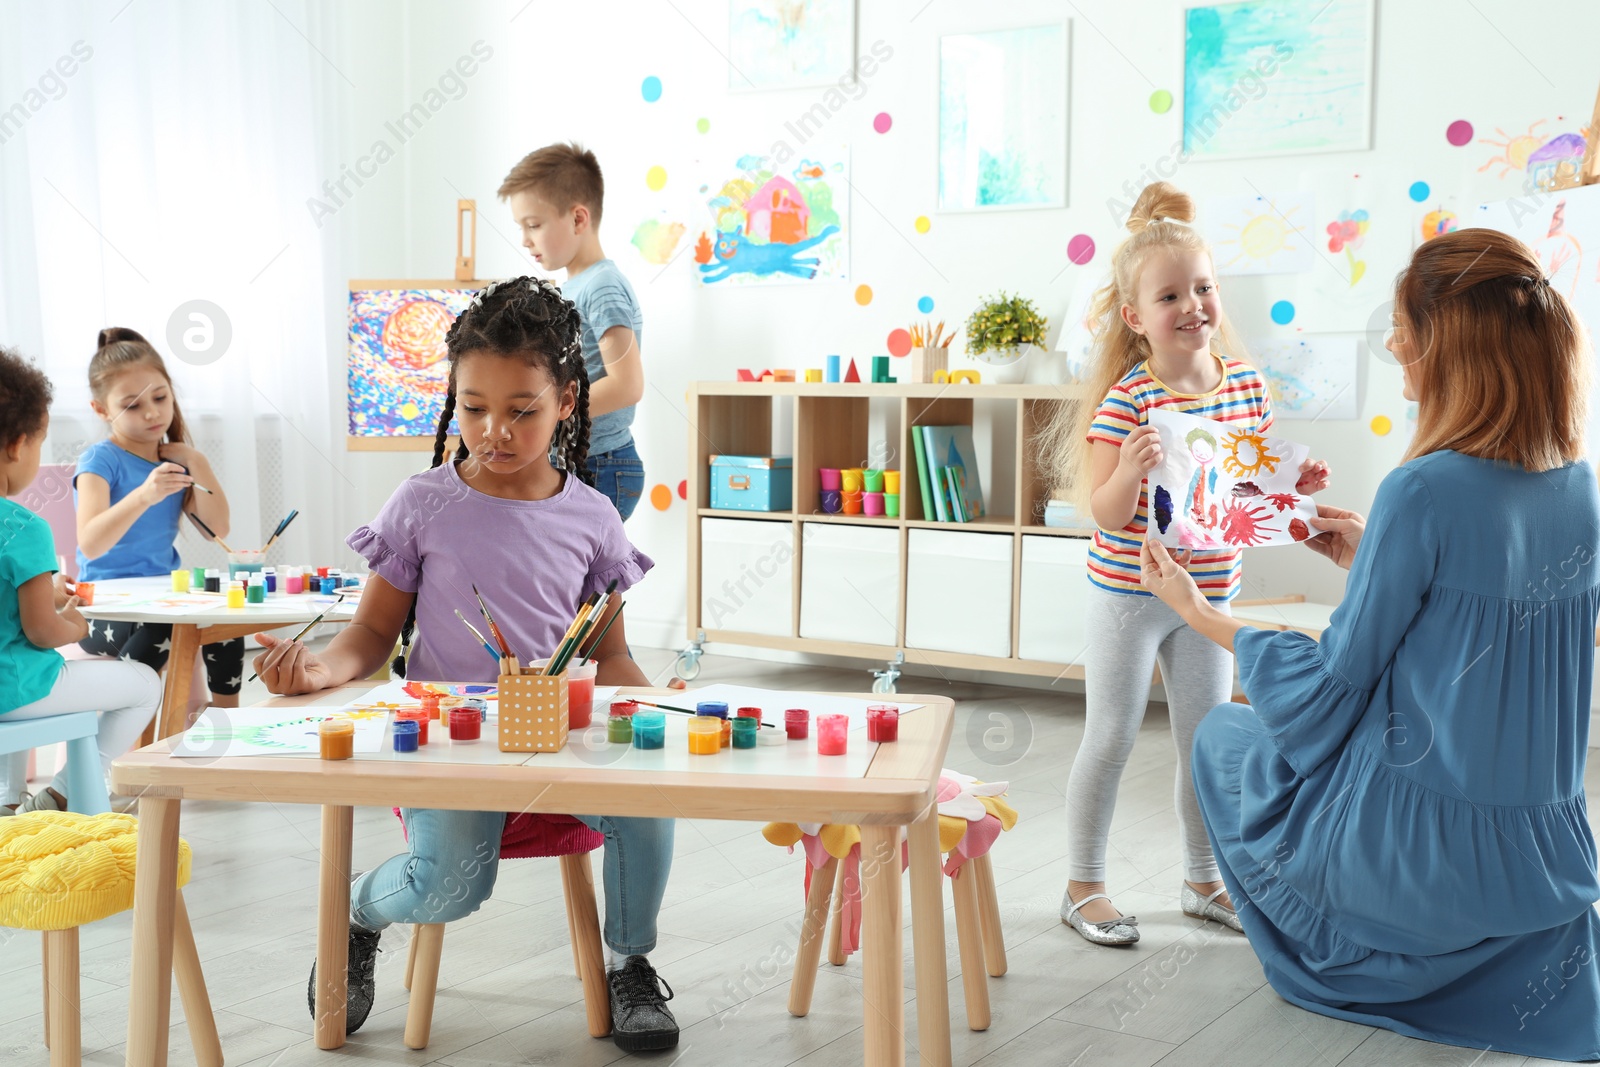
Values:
[(361, 986), (640, 1020)]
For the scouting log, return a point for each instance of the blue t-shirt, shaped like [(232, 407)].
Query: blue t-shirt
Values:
[(605, 299), (147, 549), (27, 550)]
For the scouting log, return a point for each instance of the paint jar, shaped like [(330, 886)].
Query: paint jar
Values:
[(244, 562), (832, 502), (271, 578), (256, 592), (649, 729), (328, 584), (891, 482), (744, 732), (84, 591), (851, 503), (883, 723), (479, 705), (430, 704), (768, 736), (750, 713), (180, 581), (580, 693), (197, 579), (828, 479), (407, 734), (850, 479), (465, 724), (872, 480), (419, 716), (872, 503), (235, 595), (336, 738), (891, 505), (322, 572), (833, 734), (719, 709), (213, 580), (293, 583), (797, 723), (705, 735), (624, 709), (619, 729)]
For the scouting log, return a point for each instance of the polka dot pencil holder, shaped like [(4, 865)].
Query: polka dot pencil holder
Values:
[(533, 712)]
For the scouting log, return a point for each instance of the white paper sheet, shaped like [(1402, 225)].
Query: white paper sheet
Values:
[(220, 732)]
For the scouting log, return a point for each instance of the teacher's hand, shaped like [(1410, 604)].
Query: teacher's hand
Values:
[(1164, 575), (1339, 534)]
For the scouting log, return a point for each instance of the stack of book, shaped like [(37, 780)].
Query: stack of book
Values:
[(947, 473)]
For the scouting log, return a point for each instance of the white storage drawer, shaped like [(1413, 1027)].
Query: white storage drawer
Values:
[(1054, 583), (958, 592), (849, 583), (747, 576)]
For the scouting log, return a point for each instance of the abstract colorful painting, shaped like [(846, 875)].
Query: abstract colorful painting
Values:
[(1309, 377), (1003, 119), (1260, 234), (397, 371), (771, 223), (1219, 485), (784, 44), (1277, 77)]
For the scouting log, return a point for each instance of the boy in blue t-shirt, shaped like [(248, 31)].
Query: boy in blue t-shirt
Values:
[(556, 195)]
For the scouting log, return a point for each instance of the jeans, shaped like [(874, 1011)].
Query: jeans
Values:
[(455, 855), (619, 474)]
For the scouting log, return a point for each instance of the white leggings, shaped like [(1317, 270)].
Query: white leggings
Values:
[(1129, 635), (126, 694)]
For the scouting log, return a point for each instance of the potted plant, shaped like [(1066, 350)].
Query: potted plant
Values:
[(999, 333)]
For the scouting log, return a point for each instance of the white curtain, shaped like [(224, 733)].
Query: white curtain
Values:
[(157, 154)]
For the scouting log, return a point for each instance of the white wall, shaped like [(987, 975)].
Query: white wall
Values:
[(573, 70)]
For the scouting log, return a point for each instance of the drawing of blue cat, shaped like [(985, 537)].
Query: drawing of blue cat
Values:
[(736, 255)]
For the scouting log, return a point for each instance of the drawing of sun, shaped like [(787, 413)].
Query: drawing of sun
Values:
[(1262, 232), (1261, 461)]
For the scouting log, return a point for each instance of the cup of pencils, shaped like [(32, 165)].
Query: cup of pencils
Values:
[(930, 351)]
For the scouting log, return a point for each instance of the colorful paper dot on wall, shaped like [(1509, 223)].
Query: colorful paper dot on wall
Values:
[(656, 178), (881, 122), (924, 224), (1161, 101), (683, 489), (863, 295), (651, 89), (925, 305), (1283, 313), (1080, 249), (1419, 191), (1458, 132), (703, 125), (899, 342), (661, 498), (1381, 425)]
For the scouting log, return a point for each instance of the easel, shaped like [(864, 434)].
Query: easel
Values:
[(466, 264), (1588, 172)]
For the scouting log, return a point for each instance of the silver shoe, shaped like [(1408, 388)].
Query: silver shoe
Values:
[(1122, 930), (1198, 907)]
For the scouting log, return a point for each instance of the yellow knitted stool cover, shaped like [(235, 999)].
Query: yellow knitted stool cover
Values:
[(60, 869)]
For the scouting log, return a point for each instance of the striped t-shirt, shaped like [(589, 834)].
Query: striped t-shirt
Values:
[(1241, 397)]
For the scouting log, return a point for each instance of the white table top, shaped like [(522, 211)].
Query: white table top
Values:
[(140, 600)]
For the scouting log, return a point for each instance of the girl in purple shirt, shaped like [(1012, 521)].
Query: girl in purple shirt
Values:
[(536, 539)]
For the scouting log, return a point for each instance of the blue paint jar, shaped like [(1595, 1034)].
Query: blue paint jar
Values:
[(407, 732)]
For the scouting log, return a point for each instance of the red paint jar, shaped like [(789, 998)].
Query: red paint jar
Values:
[(883, 723), (797, 721), (466, 724)]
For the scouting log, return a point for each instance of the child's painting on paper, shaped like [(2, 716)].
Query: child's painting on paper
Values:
[(1219, 485)]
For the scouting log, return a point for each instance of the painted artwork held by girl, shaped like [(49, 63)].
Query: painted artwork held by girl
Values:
[(776, 223), (396, 370), (1219, 485)]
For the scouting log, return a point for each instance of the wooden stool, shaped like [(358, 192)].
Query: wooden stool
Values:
[(538, 836), (93, 857)]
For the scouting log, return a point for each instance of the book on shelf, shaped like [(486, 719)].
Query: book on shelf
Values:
[(951, 446), (922, 474)]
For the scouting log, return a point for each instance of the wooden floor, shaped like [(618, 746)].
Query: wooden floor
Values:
[(1187, 994)]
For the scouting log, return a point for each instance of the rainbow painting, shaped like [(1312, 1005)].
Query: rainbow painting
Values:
[(397, 372)]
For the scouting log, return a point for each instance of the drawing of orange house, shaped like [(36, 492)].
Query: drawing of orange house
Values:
[(777, 213)]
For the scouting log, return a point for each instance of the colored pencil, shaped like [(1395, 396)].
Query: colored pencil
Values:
[(305, 629), (207, 531), (282, 526)]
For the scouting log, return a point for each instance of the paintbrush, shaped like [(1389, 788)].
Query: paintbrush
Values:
[(558, 658), (282, 526), (587, 618), (487, 647), (601, 636), (686, 711), (494, 631), (207, 531), (306, 629)]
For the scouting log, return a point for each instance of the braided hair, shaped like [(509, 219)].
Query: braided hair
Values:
[(529, 320)]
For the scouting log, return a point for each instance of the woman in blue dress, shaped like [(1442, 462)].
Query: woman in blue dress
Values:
[(1399, 812)]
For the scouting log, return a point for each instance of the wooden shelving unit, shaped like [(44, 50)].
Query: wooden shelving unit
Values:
[(832, 427)]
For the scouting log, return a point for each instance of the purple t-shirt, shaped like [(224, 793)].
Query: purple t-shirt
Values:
[(534, 561)]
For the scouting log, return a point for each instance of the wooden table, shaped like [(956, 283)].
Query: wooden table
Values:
[(897, 792), (202, 626)]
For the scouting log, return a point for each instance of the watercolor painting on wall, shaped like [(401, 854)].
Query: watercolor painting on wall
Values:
[(1003, 119), (1309, 377), (786, 44), (1219, 485), (397, 372), (773, 224), (1277, 77), (1260, 234)]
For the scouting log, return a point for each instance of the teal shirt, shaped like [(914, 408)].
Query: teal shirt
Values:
[(27, 550)]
